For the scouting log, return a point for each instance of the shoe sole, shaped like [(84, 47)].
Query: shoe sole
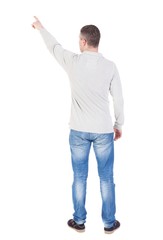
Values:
[(107, 232), (110, 232), (79, 231)]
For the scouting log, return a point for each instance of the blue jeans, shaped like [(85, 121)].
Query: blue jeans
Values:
[(103, 145)]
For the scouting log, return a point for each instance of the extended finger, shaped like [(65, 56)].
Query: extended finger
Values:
[(36, 18)]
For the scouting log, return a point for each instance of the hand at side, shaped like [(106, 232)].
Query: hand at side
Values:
[(117, 134)]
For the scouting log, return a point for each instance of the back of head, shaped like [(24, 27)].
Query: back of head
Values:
[(91, 34)]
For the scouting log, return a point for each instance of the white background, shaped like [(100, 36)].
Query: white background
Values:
[(35, 164)]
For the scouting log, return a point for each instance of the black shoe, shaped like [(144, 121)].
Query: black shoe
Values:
[(77, 227), (113, 228)]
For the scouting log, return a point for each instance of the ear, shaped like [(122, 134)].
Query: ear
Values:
[(84, 42)]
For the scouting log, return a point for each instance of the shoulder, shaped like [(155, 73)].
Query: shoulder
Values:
[(109, 61)]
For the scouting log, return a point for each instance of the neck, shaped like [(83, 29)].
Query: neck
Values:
[(91, 49)]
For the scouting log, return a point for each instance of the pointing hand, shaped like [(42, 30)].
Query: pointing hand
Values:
[(37, 24)]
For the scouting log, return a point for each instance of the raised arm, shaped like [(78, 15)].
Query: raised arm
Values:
[(63, 56)]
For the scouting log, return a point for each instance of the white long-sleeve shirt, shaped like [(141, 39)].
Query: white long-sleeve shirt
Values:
[(91, 77)]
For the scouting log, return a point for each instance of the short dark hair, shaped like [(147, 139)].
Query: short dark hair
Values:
[(92, 35)]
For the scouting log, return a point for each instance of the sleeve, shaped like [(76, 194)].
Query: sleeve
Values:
[(118, 102), (63, 56)]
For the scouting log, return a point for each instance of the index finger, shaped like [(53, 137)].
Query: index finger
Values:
[(36, 18)]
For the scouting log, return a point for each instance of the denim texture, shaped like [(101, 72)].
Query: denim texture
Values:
[(103, 145)]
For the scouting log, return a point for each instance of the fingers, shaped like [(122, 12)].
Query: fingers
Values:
[(118, 134), (37, 23), (116, 137), (36, 18)]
